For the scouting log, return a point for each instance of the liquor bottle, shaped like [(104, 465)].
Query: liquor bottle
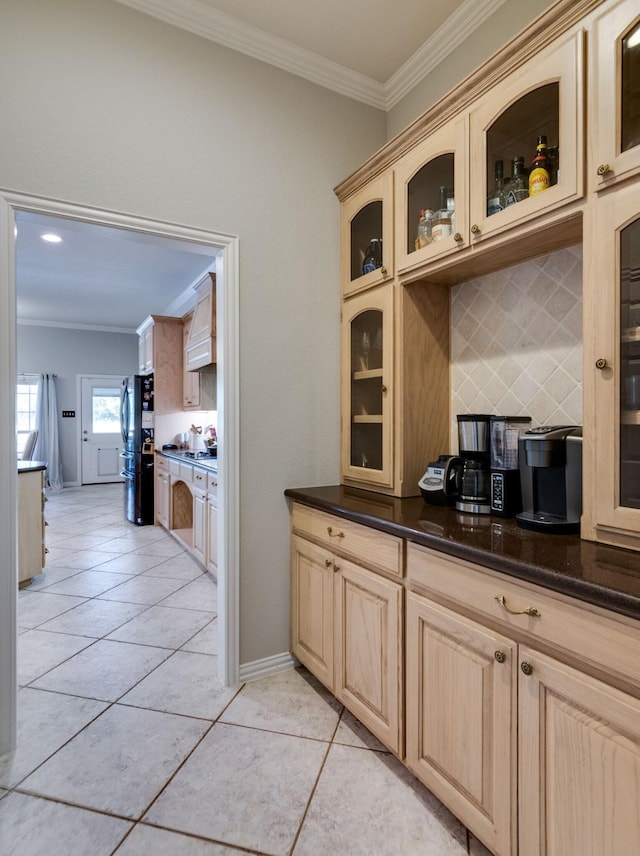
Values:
[(441, 224), (373, 256), (495, 197), (424, 228), (451, 208), (539, 172), (519, 184)]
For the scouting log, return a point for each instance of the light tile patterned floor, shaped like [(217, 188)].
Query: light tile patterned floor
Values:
[(129, 744)]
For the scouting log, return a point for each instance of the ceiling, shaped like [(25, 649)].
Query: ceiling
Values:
[(107, 278)]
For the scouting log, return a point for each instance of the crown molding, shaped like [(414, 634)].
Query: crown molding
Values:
[(198, 18), (67, 325)]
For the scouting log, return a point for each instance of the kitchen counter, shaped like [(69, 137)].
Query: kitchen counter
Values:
[(210, 464), (30, 466), (607, 577)]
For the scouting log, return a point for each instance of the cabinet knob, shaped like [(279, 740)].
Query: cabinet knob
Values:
[(603, 169), (328, 563), (383, 388), (383, 270), (336, 568), (458, 238), (333, 534), (527, 668), (601, 364), (500, 656), (475, 229)]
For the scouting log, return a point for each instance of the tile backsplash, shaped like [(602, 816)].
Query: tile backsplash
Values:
[(516, 342)]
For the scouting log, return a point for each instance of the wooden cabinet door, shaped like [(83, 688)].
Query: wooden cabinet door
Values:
[(200, 344), (200, 525), (190, 379), (461, 740), (367, 215), (368, 652), (367, 386), (162, 498), (212, 534), (145, 350), (579, 757), (312, 608), (615, 94), (543, 97), (440, 161)]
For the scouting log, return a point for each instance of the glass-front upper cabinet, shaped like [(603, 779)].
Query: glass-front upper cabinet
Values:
[(367, 401), (615, 76), (367, 235), (431, 197), (614, 281), (526, 141)]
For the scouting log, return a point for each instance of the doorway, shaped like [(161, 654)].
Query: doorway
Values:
[(100, 440), (226, 247)]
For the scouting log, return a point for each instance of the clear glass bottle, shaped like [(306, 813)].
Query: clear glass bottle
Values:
[(372, 256), (441, 225), (495, 197), (451, 208), (519, 184), (539, 171), (424, 228)]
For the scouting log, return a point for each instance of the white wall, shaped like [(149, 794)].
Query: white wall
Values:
[(510, 18), (68, 353), (106, 107)]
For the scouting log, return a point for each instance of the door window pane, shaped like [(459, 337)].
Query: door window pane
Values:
[(631, 89), (105, 410)]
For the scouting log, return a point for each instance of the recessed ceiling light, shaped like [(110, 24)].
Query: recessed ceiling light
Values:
[(51, 238)]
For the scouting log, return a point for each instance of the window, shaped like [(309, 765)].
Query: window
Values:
[(105, 410), (26, 397)]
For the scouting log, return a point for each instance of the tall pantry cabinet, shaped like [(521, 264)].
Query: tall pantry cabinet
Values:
[(612, 282)]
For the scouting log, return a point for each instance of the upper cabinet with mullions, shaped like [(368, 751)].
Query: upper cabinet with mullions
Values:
[(615, 75)]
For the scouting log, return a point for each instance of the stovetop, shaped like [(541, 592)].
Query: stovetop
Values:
[(203, 459)]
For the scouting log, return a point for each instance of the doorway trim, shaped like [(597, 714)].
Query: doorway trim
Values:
[(227, 302)]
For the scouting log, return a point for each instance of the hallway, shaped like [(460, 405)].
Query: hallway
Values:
[(128, 743)]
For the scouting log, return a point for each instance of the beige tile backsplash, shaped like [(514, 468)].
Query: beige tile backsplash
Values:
[(516, 342)]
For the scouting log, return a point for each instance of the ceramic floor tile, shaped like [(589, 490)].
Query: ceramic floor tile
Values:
[(120, 546), (367, 802), (39, 651), (88, 583), (94, 618), (137, 749), (49, 576), (205, 642), (351, 732), (166, 548), (34, 608), (83, 542), (103, 671), (128, 564), (159, 842), (45, 722), (291, 702), (147, 590), (81, 559), (185, 683), (181, 567), (36, 827), (161, 626), (199, 594), (243, 787)]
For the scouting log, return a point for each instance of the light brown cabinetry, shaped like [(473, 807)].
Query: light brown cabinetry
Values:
[(557, 681), (615, 94), (198, 387), (31, 525), (346, 619), (212, 524), (200, 346), (163, 491), (367, 216)]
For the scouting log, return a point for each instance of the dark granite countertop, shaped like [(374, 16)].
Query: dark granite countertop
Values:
[(209, 463), (608, 577), (30, 466)]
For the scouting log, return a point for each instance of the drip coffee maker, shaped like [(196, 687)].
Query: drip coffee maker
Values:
[(473, 444)]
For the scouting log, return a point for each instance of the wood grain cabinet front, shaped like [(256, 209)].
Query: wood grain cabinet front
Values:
[(367, 236)]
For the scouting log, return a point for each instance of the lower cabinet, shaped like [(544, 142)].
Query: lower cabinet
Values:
[(534, 756), (346, 629), (163, 495), (199, 545), (31, 523), (212, 533)]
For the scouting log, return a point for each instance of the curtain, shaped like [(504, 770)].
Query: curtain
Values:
[(47, 447)]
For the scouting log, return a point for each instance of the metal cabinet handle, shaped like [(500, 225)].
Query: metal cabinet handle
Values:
[(328, 563), (475, 229), (603, 169), (601, 364), (336, 568), (458, 238), (500, 656), (383, 270), (383, 388), (530, 610), (333, 534), (526, 668)]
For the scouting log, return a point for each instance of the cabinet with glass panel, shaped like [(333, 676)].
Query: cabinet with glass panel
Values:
[(367, 236)]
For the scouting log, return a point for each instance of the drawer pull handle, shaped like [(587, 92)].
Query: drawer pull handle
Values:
[(328, 563), (530, 610), (603, 169), (527, 668), (333, 534), (336, 568), (500, 656)]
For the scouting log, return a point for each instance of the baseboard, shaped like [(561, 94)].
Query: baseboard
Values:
[(269, 666)]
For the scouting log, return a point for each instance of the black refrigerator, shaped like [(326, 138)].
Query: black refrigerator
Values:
[(136, 422)]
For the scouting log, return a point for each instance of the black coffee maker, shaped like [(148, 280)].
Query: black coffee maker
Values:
[(473, 444)]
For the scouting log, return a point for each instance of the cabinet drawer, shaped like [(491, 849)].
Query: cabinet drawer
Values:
[(367, 546), (199, 478), (162, 465), (587, 636), (212, 482), (173, 467), (185, 472)]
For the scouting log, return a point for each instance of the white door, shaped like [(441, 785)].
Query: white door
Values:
[(101, 440)]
